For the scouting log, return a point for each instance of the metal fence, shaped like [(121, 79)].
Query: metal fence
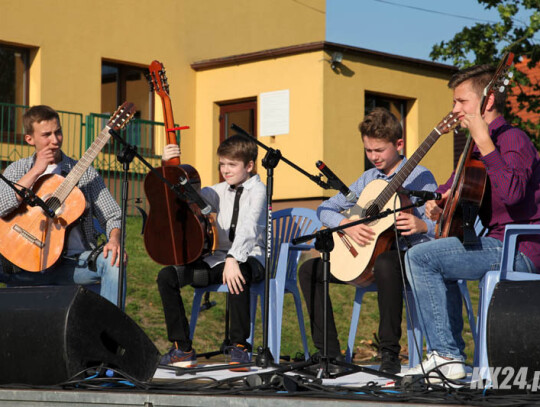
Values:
[(142, 135), (12, 143), (78, 136)]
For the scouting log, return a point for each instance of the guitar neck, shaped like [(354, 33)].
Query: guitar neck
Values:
[(82, 165), (170, 135), (400, 177)]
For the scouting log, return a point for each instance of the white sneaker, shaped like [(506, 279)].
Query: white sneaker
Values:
[(452, 369)]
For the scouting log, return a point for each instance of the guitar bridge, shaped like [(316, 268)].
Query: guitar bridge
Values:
[(347, 244), (28, 236)]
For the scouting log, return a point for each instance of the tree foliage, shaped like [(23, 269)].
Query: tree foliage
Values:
[(486, 43)]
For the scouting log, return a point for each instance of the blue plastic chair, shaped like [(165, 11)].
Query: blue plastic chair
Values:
[(490, 280), (286, 225), (413, 323)]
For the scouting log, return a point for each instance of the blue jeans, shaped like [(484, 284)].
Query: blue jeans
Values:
[(431, 265), (69, 271)]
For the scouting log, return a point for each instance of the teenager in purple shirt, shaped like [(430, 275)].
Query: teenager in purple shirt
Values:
[(513, 168)]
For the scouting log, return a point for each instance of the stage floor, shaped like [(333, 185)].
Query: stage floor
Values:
[(243, 389)]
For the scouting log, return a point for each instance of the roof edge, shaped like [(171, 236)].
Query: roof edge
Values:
[(311, 47)]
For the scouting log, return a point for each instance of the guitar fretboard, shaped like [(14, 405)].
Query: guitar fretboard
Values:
[(400, 177), (80, 168)]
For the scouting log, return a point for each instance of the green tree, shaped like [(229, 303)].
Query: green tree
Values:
[(485, 43)]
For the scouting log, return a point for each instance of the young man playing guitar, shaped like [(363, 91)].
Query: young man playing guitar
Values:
[(43, 131), (513, 169), (240, 206), (382, 137)]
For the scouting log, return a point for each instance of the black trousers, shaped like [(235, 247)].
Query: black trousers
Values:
[(172, 278), (387, 273)]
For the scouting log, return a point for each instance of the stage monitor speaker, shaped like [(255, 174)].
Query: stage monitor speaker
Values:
[(48, 334), (513, 326)]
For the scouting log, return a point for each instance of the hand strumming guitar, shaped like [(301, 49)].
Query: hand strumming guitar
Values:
[(361, 234)]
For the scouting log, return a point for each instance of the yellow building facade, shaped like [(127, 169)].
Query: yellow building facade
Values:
[(218, 54)]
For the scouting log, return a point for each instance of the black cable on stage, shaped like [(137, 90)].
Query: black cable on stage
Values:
[(443, 393)]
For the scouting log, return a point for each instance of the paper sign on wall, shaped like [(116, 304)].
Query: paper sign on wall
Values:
[(274, 112)]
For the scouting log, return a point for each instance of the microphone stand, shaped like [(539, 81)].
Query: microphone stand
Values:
[(270, 161), (264, 357), (324, 243)]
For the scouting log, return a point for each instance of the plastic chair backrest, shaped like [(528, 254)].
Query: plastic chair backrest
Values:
[(288, 224)]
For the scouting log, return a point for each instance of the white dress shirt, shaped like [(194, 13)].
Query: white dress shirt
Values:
[(249, 237)]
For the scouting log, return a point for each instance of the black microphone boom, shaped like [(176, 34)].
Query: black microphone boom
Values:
[(335, 182), (194, 196), (425, 195)]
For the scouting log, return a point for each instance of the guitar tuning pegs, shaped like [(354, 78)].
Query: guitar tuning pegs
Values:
[(510, 74), (506, 81), (501, 89)]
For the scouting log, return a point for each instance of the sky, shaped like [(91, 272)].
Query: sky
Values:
[(403, 27)]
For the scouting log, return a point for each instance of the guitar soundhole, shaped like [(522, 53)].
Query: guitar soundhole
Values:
[(53, 203), (372, 210)]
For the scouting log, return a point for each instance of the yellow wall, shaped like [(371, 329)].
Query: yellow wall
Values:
[(302, 76), (429, 100), (325, 110), (71, 37)]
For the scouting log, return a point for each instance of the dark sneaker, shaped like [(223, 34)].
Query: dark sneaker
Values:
[(390, 362), (332, 369), (239, 354), (179, 358)]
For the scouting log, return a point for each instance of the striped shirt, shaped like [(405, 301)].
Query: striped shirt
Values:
[(99, 201), (513, 169), (420, 179)]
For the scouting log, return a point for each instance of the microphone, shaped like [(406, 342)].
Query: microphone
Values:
[(32, 199), (194, 196), (335, 182), (425, 195)]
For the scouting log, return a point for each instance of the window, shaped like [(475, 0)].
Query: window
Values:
[(121, 83), (398, 107), (13, 75), (13, 91)]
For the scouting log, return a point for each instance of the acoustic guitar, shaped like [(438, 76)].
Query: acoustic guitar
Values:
[(353, 263), (470, 178), (176, 232), (29, 238)]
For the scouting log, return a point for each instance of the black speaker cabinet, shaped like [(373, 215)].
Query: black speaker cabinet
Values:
[(48, 334), (513, 326)]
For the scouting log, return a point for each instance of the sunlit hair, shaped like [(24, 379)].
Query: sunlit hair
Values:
[(479, 75), (37, 114), (238, 147), (381, 124)]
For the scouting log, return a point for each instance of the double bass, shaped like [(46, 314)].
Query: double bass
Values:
[(470, 179), (176, 232)]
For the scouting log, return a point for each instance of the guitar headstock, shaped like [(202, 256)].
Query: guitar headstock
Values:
[(122, 116), (448, 123), (158, 78), (500, 79)]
